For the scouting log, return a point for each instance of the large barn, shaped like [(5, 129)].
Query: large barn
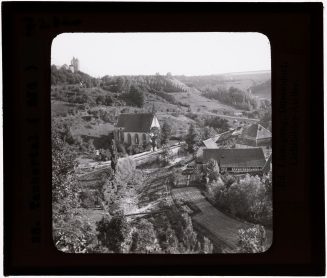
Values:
[(238, 161), (135, 129)]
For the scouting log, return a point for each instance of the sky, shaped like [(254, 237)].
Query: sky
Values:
[(102, 54)]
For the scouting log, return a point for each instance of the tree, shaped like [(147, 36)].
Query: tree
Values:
[(212, 170), (108, 100), (166, 154), (114, 155), (252, 240), (154, 135), (112, 233), (144, 238), (135, 96), (100, 99), (214, 190), (192, 139), (165, 133)]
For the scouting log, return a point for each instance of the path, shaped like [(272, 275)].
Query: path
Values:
[(219, 115)]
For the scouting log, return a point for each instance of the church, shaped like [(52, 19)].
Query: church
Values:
[(135, 129)]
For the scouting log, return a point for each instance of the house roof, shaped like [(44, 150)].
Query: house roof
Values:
[(210, 143), (228, 135), (135, 122), (256, 131), (249, 157)]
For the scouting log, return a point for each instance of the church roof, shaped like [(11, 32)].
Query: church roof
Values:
[(249, 157), (135, 122)]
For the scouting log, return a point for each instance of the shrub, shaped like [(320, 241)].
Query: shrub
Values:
[(113, 232), (252, 240)]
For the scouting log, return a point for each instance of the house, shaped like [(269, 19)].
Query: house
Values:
[(229, 137), (238, 161), (209, 143), (255, 135), (135, 129)]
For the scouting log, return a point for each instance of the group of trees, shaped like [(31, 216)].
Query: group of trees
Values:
[(106, 115), (69, 233), (218, 123), (134, 97), (168, 232), (132, 88), (147, 83), (248, 198), (233, 97), (65, 76)]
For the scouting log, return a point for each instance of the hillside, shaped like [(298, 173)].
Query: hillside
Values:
[(238, 90), (226, 92), (64, 76), (242, 81)]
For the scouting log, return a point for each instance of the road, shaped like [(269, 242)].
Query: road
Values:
[(219, 227), (93, 167), (218, 115)]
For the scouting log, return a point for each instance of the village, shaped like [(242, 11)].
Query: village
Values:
[(238, 152), (148, 164)]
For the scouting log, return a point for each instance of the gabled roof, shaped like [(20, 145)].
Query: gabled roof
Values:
[(256, 131), (210, 143), (135, 122), (249, 157)]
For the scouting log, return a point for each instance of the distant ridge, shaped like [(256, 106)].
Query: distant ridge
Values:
[(248, 72)]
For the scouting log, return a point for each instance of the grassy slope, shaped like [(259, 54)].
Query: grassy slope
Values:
[(201, 104)]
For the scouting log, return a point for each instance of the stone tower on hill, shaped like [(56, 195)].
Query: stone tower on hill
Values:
[(75, 64)]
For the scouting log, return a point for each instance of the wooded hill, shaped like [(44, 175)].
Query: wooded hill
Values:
[(238, 91)]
